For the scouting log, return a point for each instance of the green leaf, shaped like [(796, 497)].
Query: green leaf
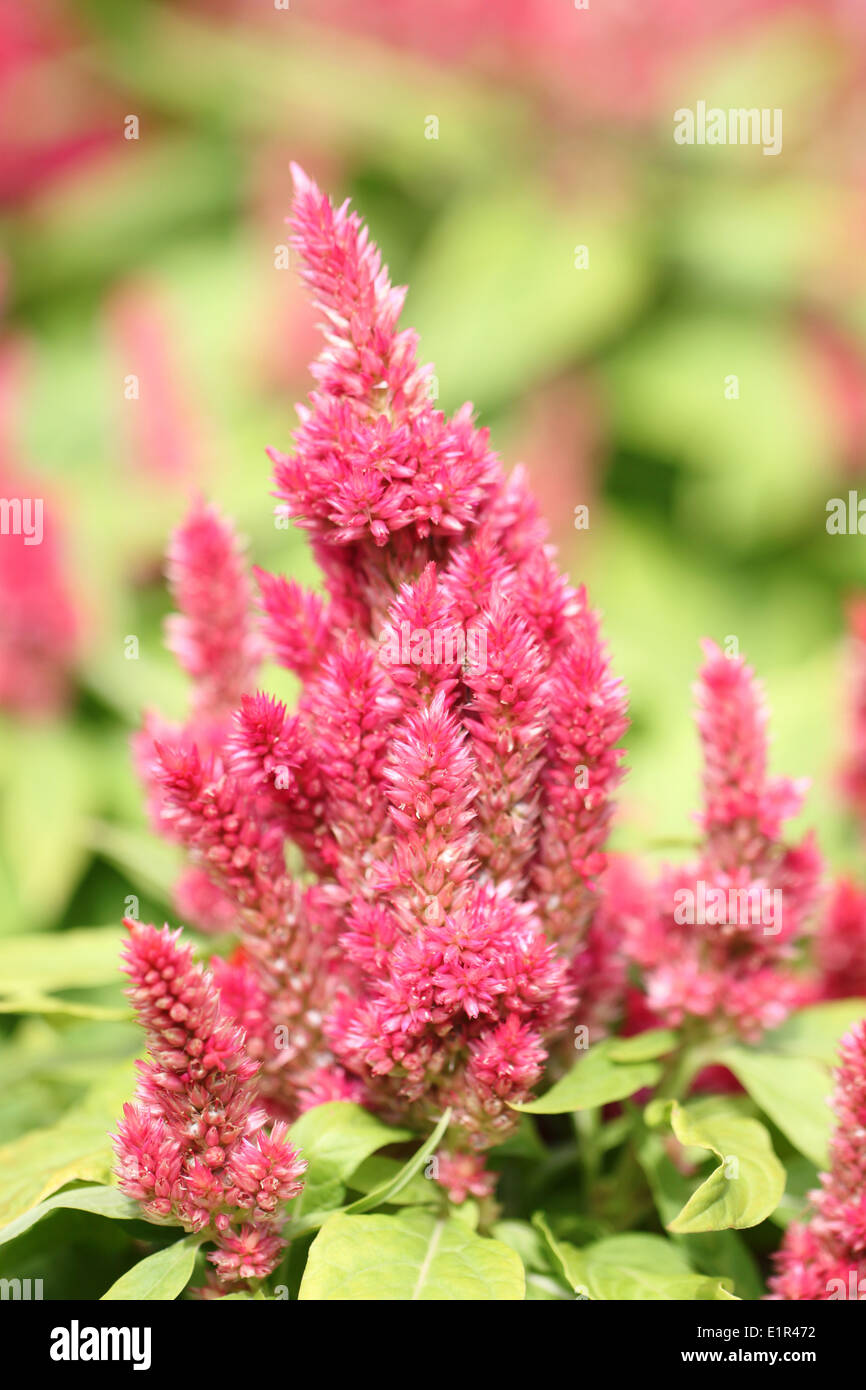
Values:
[(46, 962), (50, 1004), (411, 1255), (643, 1047), (815, 1032), (792, 1091), (567, 1259), (749, 1182), (529, 1242), (161, 1276), (41, 834), (641, 1268), (595, 1080), (711, 1250), (102, 1201), (335, 1138), (378, 1170), (78, 1147), (392, 1187)]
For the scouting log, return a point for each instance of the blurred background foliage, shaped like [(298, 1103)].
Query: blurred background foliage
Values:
[(160, 257)]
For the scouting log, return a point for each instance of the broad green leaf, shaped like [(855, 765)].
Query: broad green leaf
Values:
[(161, 1276), (392, 1187), (709, 1251), (378, 1170), (102, 1201), (595, 1080), (749, 1182), (50, 1004), (411, 1255), (567, 1258), (529, 1242), (792, 1091), (335, 1138), (44, 963), (641, 1268), (47, 797), (78, 1147), (643, 1047), (816, 1031)]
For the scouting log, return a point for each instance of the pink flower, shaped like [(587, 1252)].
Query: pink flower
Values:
[(40, 630), (452, 682), (853, 771), (192, 1146), (716, 938), (212, 635), (840, 945), (825, 1258)]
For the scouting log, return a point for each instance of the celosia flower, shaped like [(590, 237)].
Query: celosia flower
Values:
[(840, 943), (853, 772), (212, 635), (446, 782), (825, 1258), (39, 627), (717, 937), (193, 1147)]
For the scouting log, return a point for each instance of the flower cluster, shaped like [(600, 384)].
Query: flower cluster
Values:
[(39, 626), (825, 1257), (193, 1146), (717, 937), (853, 771), (445, 787), (840, 943)]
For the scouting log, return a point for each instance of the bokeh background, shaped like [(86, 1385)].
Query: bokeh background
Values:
[(588, 283)]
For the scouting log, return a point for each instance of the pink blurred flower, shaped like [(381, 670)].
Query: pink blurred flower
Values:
[(718, 937), (825, 1258), (40, 629), (192, 1147), (453, 684)]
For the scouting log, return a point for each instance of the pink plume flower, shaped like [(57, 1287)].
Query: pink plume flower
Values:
[(840, 944), (717, 937), (583, 767), (192, 1146), (40, 629), (853, 771), (212, 634), (825, 1258), (452, 683)]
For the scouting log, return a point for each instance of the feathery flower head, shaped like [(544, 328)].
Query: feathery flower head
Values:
[(454, 685), (825, 1258), (840, 943), (716, 937), (211, 635), (853, 771), (193, 1146)]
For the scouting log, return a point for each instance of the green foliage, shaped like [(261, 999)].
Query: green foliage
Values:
[(707, 517), (604, 1074), (414, 1254), (163, 1275), (747, 1185)]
